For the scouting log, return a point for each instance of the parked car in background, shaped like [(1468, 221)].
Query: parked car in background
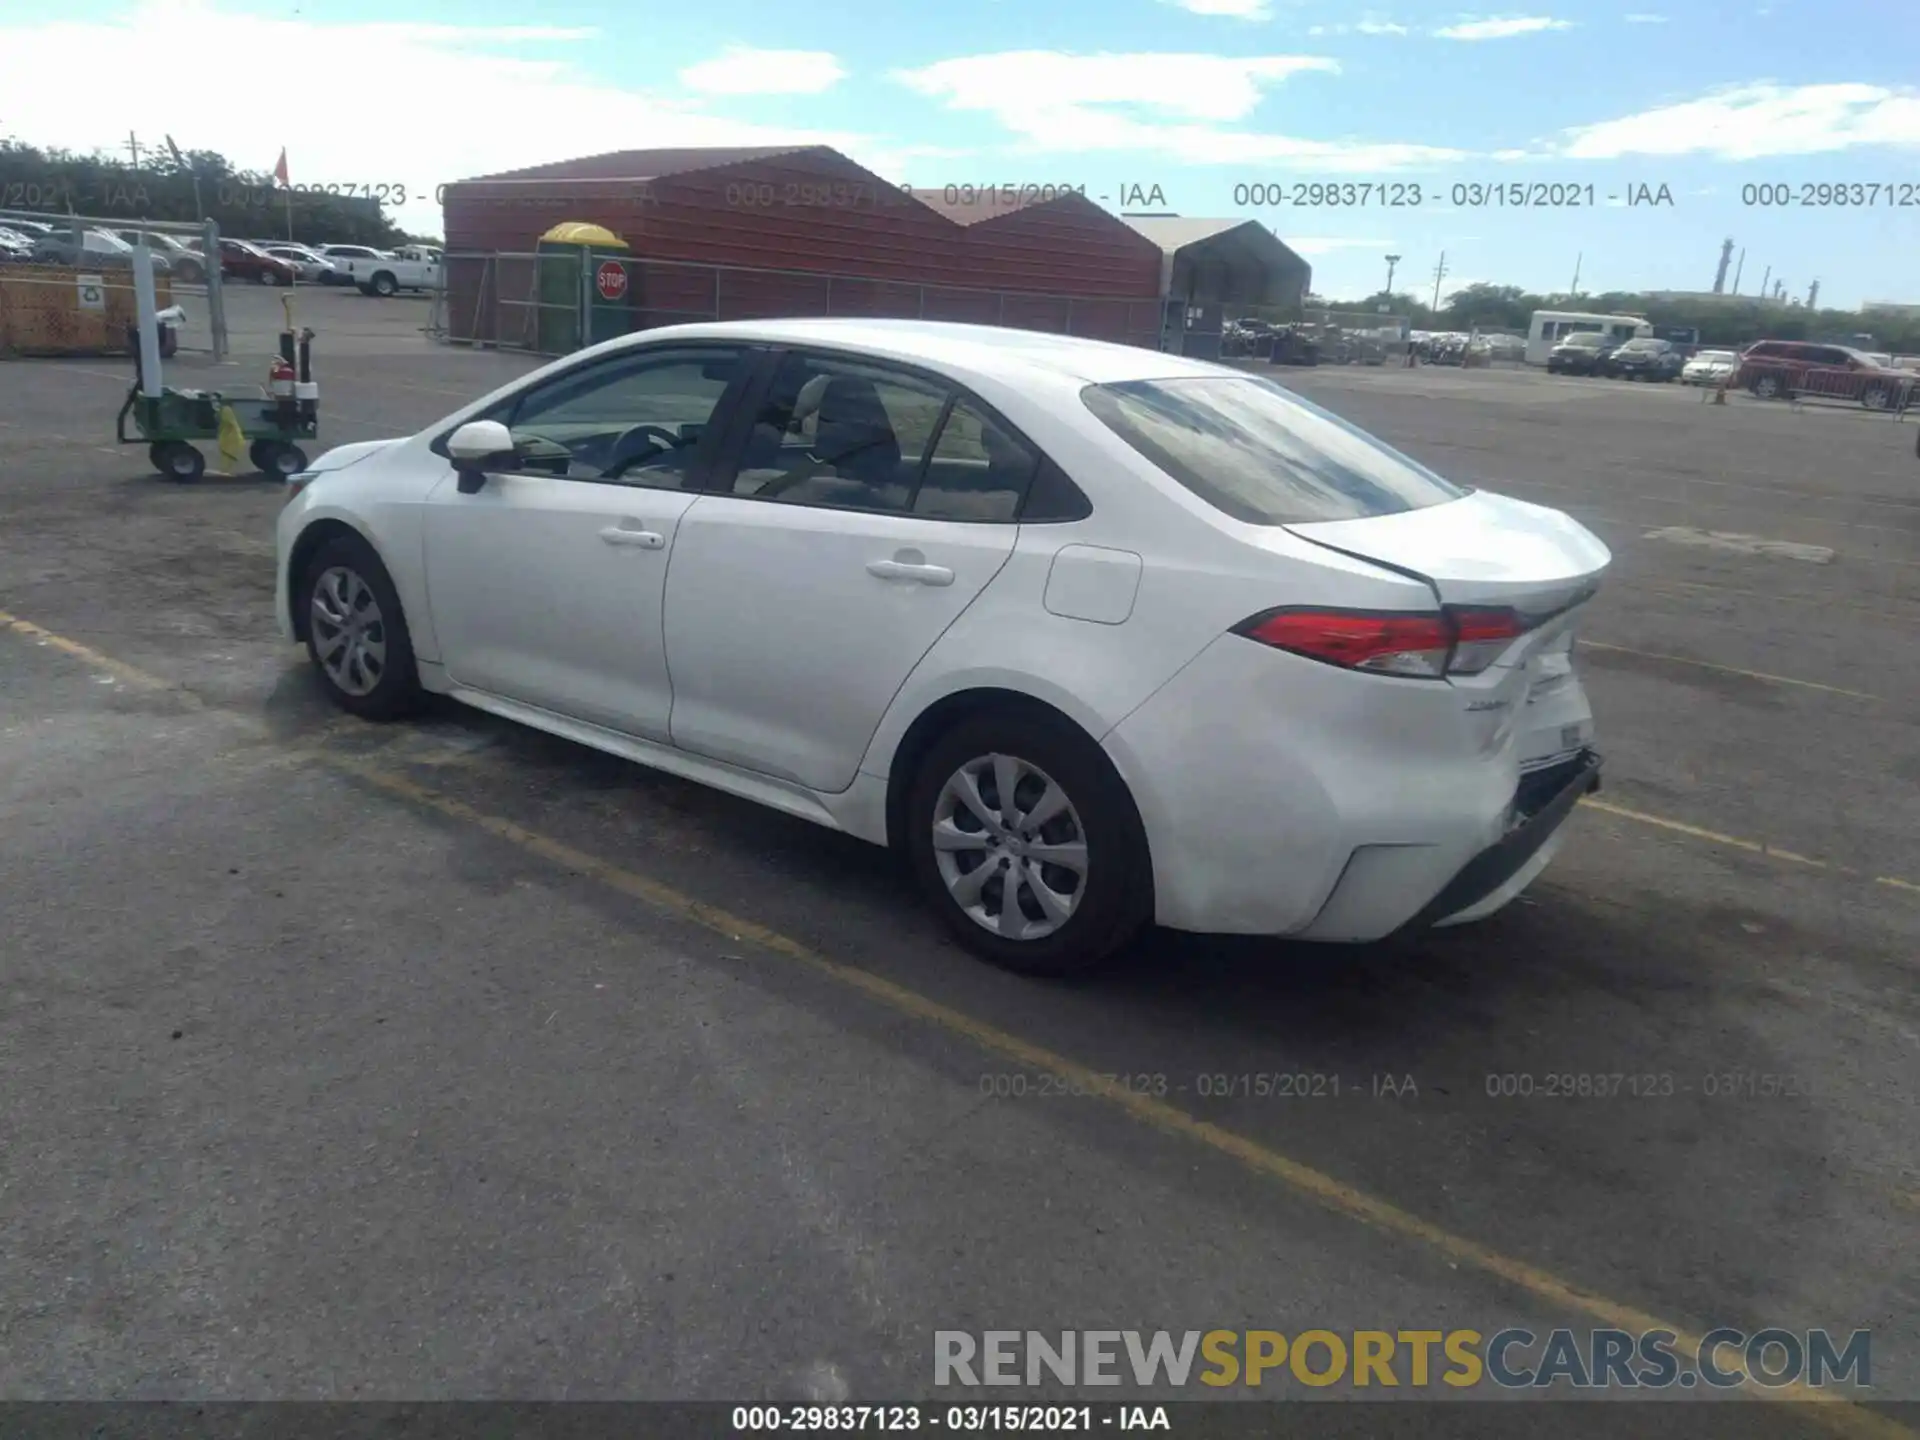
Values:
[(97, 247), (32, 229), (187, 261), (1709, 367), (411, 267), (309, 265), (1776, 369), (244, 260), (341, 257), (1584, 352), (1058, 750), (15, 246), (1644, 358)]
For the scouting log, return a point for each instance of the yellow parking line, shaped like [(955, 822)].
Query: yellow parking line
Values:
[(1843, 1416), (1752, 847), (1727, 669), (119, 669)]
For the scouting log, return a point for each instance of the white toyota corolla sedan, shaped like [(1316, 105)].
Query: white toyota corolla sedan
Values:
[(1096, 636)]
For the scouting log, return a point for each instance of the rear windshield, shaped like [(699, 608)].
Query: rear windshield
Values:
[(1261, 454)]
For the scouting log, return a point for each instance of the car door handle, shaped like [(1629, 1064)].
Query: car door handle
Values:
[(645, 539), (904, 570)]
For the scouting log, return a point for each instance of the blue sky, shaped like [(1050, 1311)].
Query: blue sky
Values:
[(1201, 98)]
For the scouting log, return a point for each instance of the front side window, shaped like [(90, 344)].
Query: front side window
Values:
[(635, 420), (1261, 454), (839, 433)]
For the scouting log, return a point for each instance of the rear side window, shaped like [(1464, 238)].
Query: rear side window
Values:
[(1261, 454), (977, 471)]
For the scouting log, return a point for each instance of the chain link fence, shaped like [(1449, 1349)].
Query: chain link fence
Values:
[(69, 289), (550, 304)]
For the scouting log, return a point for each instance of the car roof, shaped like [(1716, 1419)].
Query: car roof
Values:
[(947, 345)]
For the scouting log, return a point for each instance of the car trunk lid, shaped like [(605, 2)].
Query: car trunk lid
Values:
[(1480, 550), (1487, 552)]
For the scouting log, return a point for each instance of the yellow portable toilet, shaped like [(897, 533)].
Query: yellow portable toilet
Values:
[(578, 259)]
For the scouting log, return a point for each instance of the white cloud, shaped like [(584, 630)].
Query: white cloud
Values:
[(1502, 28), (1197, 87), (453, 101), (1753, 121), (1363, 27), (1171, 106), (1236, 9), (744, 71)]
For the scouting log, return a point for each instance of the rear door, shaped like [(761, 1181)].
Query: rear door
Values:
[(866, 508)]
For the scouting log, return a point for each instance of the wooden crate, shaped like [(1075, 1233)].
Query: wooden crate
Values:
[(43, 310)]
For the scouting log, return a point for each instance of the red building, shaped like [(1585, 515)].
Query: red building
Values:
[(735, 234)]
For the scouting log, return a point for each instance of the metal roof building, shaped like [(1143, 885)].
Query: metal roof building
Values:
[(758, 232)]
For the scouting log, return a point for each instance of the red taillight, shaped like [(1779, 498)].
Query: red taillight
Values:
[(1426, 646), (1479, 638)]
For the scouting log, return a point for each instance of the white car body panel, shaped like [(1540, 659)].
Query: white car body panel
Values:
[(753, 650), (548, 592)]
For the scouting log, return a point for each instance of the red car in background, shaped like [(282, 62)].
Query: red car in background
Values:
[(1774, 369), (242, 261)]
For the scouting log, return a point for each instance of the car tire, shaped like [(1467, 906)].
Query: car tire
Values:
[(376, 678), (1103, 904), (1876, 397), (1765, 387), (384, 285)]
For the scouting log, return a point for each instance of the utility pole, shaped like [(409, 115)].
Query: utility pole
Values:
[(1439, 274), (1573, 291), (133, 148), (1737, 269), (1392, 260), (1813, 294), (199, 210), (1764, 291), (1720, 275)]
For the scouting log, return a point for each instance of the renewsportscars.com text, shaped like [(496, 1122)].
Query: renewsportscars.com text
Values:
[(1367, 1359)]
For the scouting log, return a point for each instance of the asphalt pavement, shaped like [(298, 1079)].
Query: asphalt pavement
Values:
[(454, 1061)]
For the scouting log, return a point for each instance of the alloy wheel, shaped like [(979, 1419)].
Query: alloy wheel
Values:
[(1010, 847), (349, 633)]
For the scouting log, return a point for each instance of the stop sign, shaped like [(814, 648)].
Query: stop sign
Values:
[(610, 280)]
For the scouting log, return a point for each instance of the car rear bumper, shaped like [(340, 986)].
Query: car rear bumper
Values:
[(1540, 807)]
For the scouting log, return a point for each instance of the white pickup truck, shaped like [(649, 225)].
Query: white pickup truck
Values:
[(411, 267)]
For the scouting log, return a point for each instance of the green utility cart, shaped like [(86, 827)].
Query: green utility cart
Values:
[(169, 423)]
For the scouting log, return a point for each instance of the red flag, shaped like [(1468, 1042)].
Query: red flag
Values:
[(280, 170)]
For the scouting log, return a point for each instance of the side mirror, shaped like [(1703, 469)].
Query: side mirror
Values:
[(477, 447)]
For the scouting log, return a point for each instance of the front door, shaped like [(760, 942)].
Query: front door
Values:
[(869, 509), (546, 583)]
